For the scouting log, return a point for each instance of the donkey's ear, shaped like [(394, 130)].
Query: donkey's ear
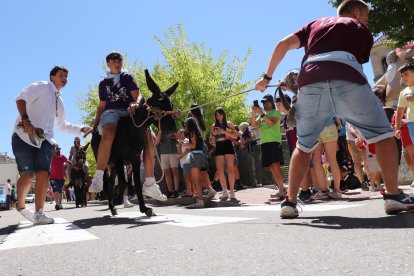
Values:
[(86, 146), (152, 86), (171, 89)]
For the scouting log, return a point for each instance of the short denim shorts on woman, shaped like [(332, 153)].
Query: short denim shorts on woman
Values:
[(317, 103), (30, 159), (111, 116)]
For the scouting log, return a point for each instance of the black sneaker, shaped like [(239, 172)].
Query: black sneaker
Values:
[(305, 195), (288, 209), (174, 195), (397, 203), (57, 207)]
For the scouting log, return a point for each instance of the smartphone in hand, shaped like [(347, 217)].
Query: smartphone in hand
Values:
[(256, 103)]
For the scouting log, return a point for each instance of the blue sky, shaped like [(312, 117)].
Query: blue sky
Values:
[(36, 35)]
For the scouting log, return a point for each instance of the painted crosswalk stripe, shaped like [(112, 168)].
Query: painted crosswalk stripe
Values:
[(182, 220), (276, 207), (62, 231)]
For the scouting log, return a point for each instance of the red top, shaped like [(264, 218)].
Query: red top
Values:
[(57, 170), (333, 34)]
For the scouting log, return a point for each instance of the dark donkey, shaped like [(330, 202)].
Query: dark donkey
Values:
[(129, 142), (78, 176)]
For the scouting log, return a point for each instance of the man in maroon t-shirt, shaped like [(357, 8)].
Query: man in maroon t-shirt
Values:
[(332, 83), (57, 175)]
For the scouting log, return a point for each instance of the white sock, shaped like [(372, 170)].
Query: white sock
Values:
[(126, 199), (99, 173)]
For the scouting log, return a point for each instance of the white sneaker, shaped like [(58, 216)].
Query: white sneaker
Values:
[(27, 213), (41, 218), (153, 191), (97, 184), (232, 195), (224, 195), (210, 193), (198, 205), (412, 185), (128, 204)]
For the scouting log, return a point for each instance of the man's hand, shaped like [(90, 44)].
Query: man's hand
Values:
[(257, 110), (261, 85), (28, 127)]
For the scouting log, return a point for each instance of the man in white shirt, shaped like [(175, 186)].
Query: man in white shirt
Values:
[(40, 108)]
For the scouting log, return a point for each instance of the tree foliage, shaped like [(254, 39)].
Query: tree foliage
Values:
[(202, 77), (395, 19)]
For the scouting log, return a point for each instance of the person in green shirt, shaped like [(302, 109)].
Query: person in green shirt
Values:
[(268, 121)]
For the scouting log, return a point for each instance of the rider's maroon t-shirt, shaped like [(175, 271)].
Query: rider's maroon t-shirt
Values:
[(117, 96), (333, 34)]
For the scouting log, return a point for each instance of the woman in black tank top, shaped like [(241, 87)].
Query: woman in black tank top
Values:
[(224, 132)]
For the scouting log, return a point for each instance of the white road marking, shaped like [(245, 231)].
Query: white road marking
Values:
[(62, 231), (182, 220), (276, 207)]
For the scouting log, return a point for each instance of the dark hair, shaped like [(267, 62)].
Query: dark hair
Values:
[(221, 111), (114, 56), (196, 113), (288, 99), (191, 126), (406, 67), (56, 69), (348, 6)]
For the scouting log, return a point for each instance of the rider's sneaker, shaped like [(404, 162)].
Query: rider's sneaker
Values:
[(232, 195), (153, 191), (41, 218), (27, 213), (210, 193), (288, 209), (149, 181), (397, 203), (97, 183)]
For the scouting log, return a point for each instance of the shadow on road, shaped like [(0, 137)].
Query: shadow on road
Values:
[(109, 220), (400, 221)]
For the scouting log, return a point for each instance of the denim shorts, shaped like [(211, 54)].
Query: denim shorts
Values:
[(57, 185), (356, 104), (30, 159), (111, 116)]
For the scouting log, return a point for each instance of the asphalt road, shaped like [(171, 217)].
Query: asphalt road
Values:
[(329, 238)]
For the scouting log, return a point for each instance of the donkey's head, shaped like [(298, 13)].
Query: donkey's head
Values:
[(161, 100)]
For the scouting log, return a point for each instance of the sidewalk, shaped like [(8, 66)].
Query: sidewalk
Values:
[(261, 196)]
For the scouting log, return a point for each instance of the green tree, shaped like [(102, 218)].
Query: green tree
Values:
[(395, 19), (202, 77)]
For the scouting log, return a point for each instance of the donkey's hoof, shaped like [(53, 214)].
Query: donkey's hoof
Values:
[(149, 212), (114, 212)]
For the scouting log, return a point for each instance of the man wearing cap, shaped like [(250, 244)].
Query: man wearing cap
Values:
[(57, 175), (268, 122), (332, 82), (40, 107)]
